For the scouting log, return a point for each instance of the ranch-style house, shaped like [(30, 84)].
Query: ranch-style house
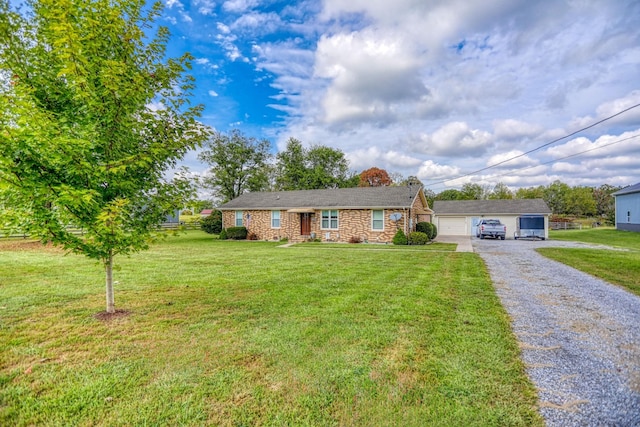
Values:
[(367, 214)]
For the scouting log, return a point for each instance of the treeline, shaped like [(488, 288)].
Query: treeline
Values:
[(240, 164), (562, 199)]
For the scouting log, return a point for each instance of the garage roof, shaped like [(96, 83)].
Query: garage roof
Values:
[(485, 207)]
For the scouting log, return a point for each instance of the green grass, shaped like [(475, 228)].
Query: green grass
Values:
[(620, 267), (600, 236), (246, 333)]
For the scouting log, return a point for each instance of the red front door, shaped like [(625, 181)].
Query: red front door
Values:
[(305, 224)]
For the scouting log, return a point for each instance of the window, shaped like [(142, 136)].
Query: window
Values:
[(377, 220), (628, 216), (238, 218), (275, 219), (330, 220)]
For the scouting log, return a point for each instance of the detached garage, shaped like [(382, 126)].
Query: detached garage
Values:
[(459, 217)]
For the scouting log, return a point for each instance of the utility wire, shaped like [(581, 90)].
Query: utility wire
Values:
[(537, 148), (566, 157)]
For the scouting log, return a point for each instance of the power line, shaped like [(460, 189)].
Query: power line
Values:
[(537, 148), (569, 156)]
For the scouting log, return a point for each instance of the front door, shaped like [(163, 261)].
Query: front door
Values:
[(305, 224)]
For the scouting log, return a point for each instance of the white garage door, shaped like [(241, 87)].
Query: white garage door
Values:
[(453, 226)]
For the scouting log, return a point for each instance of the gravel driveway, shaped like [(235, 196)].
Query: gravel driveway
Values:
[(580, 336)]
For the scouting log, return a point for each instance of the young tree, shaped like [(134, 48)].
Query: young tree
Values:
[(238, 164), (374, 177), (80, 143)]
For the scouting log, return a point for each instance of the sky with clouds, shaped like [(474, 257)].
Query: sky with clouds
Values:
[(438, 89)]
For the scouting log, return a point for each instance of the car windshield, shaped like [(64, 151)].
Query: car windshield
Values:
[(493, 222)]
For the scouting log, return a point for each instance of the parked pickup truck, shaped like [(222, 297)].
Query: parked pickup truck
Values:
[(491, 228)]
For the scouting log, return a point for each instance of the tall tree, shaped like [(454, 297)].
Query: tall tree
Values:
[(451, 194), (501, 191), (580, 201), (471, 191), (374, 177), (291, 167), (238, 164), (555, 195), (80, 142), (605, 202), (315, 168), (530, 193), (328, 168)]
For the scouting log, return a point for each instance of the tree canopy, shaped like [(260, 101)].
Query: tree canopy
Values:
[(317, 167), (92, 116), (238, 164), (374, 177)]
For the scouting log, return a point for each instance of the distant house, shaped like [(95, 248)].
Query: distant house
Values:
[(370, 214), (205, 212), (628, 208), (460, 217)]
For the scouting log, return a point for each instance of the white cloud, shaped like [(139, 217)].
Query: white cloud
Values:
[(455, 138), (213, 93), (205, 7), (430, 171), (511, 130), (239, 6), (504, 160)]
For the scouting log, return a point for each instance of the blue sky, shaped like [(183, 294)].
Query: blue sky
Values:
[(432, 88)]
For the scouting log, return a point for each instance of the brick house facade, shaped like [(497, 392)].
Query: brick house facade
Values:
[(336, 215)]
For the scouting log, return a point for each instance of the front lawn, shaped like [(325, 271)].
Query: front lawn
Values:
[(620, 267), (247, 333)]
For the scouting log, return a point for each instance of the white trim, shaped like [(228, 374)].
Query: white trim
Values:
[(330, 218), (279, 219), (373, 220)]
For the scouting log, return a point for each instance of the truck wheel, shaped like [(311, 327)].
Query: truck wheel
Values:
[(501, 237), (482, 237)]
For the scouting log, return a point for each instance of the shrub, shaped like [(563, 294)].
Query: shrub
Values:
[(186, 212), (223, 234), (252, 236), (212, 224), (400, 238), (434, 231), (355, 239), (417, 238), (423, 227), (237, 233)]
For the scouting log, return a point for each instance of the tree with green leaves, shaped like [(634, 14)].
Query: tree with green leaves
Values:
[(291, 169), (450, 194), (501, 191), (238, 164), (472, 191), (556, 195), (318, 167), (92, 115)]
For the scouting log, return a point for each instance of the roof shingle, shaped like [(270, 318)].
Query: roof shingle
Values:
[(339, 198), (485, 207)]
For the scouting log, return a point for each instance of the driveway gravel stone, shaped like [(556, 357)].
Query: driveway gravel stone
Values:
[(579, 336)]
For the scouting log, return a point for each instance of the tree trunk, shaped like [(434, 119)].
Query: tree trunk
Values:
[(111, 305)]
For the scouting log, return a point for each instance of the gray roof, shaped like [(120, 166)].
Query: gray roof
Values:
[(491, 207), (339, 198), (628, 190)]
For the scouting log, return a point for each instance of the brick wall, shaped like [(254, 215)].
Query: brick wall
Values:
[(351, 223)]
